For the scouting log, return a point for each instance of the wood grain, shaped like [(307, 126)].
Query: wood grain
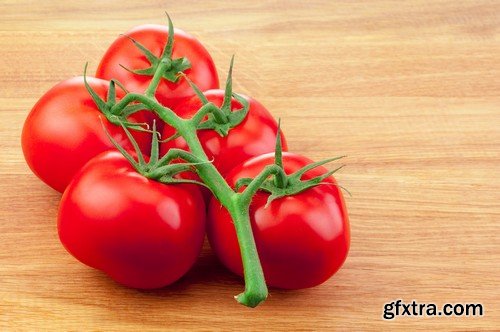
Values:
[(409, 90)]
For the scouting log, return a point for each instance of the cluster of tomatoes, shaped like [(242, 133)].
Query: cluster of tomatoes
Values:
[(147, 234)]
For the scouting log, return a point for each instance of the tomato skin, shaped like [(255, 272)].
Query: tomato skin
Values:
[(254, 136), (63, 131), (154, 37), (302, 239), (142, 233)]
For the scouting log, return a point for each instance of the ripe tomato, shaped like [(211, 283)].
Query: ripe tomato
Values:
[(302, 239), (154, 37), (255, 135), (142, 233), (63, 131)]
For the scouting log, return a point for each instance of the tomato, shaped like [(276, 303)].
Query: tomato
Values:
[(142, 233), (123, 52), (302, 239), (255, 135), (64, 130)]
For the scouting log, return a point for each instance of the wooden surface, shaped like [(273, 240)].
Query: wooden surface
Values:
[(409, 90)]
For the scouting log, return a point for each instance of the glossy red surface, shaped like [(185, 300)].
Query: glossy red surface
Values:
[(63, 131), (252, 137), (154, 37), (302, 239), (140, 232)]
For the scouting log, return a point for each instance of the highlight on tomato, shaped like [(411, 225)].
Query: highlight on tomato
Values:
[(63, 131), (138, 214), (133, 219), (134, 57), (302, 239), (243, 128)]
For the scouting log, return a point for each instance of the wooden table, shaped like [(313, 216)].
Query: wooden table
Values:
[(408, 90)]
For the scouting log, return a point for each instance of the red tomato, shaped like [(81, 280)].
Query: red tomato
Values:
[(154, 37), (255, 135), (142, 233), (64, 131), (302, 239)]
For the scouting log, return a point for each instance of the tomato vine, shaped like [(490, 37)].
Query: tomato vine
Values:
[(272, 179)]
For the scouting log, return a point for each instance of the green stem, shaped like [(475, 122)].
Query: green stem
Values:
[(164, 64), (255, 284), (253, 186), (281, 179), (166, 114), (207, 171), (238, 208), (236, 204), (208, 109)]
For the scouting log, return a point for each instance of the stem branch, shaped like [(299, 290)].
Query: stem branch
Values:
[(155, 81), (255, 284), (253, 186), (237, 204)]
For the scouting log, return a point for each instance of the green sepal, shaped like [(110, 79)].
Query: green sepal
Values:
[(277, 183), (177, 180), (169, 170), (174, 66), (131, 109), (171, 138), (111, 98), (120, 85), (147, 53), (145, 72), (243, 182), (226, 103), (221, 119), (237, 117), (137, 165), (100, 103), (137, 149), (294, 185), (196, 90), (155, 147), (106, 107), (166, 174), (298, 174), (156, 168)]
